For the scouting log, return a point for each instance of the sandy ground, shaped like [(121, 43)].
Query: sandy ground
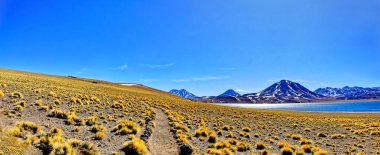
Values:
[(162, 141)]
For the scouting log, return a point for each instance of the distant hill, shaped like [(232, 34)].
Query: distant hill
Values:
[(229, 92), (350, 93), (182, 93)]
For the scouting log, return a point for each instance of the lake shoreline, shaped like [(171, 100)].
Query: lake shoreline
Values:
[(327, 101), (362, 106)]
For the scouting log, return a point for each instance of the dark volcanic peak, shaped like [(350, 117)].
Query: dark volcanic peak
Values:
[(182, 93), (284, 91), (286, 88), (229, 92)]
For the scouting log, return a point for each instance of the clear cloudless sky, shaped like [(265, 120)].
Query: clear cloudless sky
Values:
[(204, 46)]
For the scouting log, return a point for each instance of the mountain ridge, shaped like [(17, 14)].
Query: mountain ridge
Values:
[(350, 93), (183, 93), (286, 91)]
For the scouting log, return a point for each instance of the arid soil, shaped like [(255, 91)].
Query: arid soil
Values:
[(161, 141)]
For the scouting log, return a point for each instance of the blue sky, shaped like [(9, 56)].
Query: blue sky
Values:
[(203, 46)]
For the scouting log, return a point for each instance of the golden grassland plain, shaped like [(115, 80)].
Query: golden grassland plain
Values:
[(45, 114)]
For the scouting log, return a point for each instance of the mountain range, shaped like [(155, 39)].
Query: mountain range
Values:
[(286, 91), (350, 93)]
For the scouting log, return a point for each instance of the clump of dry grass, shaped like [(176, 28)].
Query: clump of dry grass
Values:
[(98, 128), (260, 146), (264, 152), (224, 144), (1, 93), (337, 136), (281, 144), (73, 119), (44, 108), (29, 126), (86, 148), (257, 134), (99, 131), (305, 141), (213, 138), (374, 133), (91, 120), (52, 94), (38, 102), (232, 141), (242, 146), (75, 100), (287, 151), (296, 137), (58, 113), (118, 105), (21, 103), (125, 127), (179, 126), (19, 108), (76, 129), (57, 102), (227, 127), (321, 135), (135, 147), (14, 132), (202, 132), (17, 95), (307, 148), (22, 127), (247, 129), (224, 147), (61, 149), (223, 151), (244, 134), (99, 135)]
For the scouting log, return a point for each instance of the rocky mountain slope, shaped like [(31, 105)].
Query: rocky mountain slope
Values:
[(350, 93), (229, 92)]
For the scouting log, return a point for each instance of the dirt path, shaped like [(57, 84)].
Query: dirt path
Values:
[(162, 142)]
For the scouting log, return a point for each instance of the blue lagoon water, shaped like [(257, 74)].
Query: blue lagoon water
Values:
[(356, 106)]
